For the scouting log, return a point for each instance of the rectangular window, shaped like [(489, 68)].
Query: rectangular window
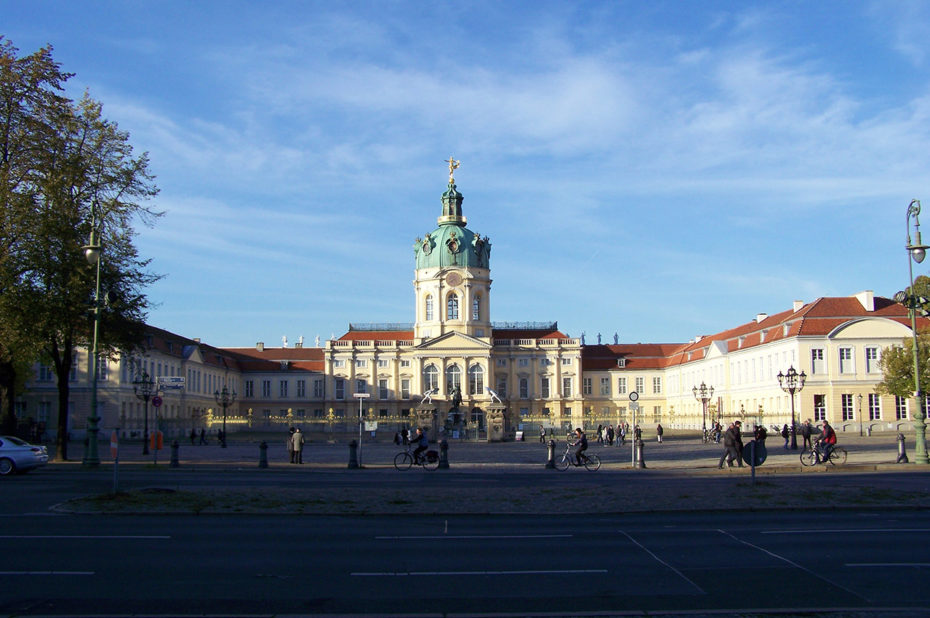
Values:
[(301, 413), (103, 365), (871, 360), (585, 386), (502, 387), (282, 389), (266, 388), (900, 408), (72, 376), (639, 385), (605, 387), (249, 389), (524, 388), (45, 373), (820, 407), (657, 386), (404, 363), (502, 362), (846, 403), (544, 387), (524, 412), (340, 388), (621, 386), (339, 363), (382, 413), (523, 362), (566, 387), (875, 407), (622, 412), (382, 389), (318, 388), (301, 388), (566, 361), (361, 364), (382, 363), (846, 361), (361, 386), (405, 388), (656, 414), (817, 364)]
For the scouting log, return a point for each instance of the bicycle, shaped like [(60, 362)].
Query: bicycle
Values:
[(428, 460), (837, 455), (590, 462)]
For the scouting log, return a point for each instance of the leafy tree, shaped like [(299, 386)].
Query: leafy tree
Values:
[(897, 365), (81, 165)]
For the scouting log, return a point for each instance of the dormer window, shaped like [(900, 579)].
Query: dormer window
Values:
[(621, 362)]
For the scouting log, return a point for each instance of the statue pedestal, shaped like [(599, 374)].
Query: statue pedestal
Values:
[(498, 427), (427, 421)]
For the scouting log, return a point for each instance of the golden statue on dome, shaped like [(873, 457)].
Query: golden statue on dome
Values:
[(453, 165)]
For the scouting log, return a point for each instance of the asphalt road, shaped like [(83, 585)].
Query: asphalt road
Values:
[(465, 565)]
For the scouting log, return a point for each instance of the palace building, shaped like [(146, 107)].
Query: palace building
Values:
[(453, 365)]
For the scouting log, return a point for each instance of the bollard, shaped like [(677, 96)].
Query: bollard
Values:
[(550, 464), (174, 455), (353, 455), (868, 430), (443, 454), (263, 455), (640, 458), (902, 455)]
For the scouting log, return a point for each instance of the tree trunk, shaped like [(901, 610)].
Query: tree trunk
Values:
[(62, 359), (7, 398)]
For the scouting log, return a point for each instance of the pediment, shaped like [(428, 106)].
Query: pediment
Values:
[(870, 328), (454, 341)]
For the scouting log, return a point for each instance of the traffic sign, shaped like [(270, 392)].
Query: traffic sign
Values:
[(634, 396), (634, 406), (156, 401)]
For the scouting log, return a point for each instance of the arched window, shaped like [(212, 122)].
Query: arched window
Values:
[(430, 378), (453, 378), (452, 307), (476, 307), (429, 307), (476, 380)]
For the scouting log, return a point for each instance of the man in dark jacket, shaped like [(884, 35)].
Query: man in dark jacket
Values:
[(733, 446)]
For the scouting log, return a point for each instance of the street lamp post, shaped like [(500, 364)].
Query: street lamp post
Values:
[(860, 414), (703, 394), (917, 251), (792, 382), (224, 398), (144, 387), (92, 255), (361, 399)]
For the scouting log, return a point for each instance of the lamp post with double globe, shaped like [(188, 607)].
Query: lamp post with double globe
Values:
[(791, 382), (92, 254), (916, 251), (703, 394), (144, 387), (224, 399)]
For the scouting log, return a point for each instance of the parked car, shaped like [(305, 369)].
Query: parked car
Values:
[(19, 456)]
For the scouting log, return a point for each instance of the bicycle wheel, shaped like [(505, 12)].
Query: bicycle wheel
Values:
[(808, 458), (403, 461), (562, 463), (592, 462), (430, 463), (838, 456)]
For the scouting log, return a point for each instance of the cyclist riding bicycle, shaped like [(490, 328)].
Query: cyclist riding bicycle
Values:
[(422, 444), (580, 444), (827, 441)]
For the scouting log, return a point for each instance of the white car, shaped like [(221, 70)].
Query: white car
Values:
[(19, 456)]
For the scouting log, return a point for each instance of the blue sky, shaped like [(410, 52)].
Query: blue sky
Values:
[(657, 169)]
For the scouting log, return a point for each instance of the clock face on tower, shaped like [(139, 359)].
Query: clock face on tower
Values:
[(454, 279)]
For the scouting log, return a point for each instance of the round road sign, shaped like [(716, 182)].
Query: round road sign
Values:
[(634, 396), (156, 401)]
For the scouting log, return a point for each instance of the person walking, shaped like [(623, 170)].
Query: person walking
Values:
[(193, 436), (610, 435), (203, 436), (298, 441), (623, 430), (290, 445), (542, 434), (784, 434), (659, 432), (732, 444), (806, 431)]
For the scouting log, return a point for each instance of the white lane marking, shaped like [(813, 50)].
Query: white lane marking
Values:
[(463, 573), (888, 564), (46, 572), (846, 530), (474, 536), (794, 564), (82, 536), (662, 562)]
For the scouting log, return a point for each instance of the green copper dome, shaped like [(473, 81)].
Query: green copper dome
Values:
[(452, 244)]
